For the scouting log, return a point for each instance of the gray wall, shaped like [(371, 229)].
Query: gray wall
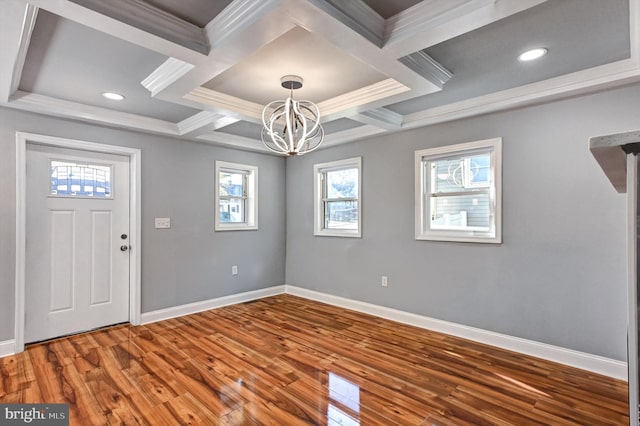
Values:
[(559, 276), (187, 263)]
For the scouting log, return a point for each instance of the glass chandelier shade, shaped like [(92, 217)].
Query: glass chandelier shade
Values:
[(291, 127)]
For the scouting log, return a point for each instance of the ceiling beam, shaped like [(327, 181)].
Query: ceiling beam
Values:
[(380, 117), (171, 70), (67, 109), (601, 77), (204, 121), (16, 25), (220, 138), (246, 110), (358, 16), (350, 135), (427, 67), (122, 30), (236, 19), (362, 97), (153, 20), (433, 21)]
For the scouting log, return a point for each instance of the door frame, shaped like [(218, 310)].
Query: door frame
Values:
[(134, 154), (632, 285)]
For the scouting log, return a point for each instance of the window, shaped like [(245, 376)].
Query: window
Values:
[(72, 179), (458, 192), (337, 194), (236, 197)]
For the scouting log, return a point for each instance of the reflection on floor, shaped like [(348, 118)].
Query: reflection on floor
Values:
[(289, 361)]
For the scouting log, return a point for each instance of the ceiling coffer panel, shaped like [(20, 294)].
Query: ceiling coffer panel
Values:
[(205, 69)]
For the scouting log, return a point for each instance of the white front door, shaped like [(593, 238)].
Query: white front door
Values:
[(77, 241)]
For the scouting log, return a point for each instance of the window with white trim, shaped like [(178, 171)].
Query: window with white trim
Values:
[(338, 198), (236, 197), (458, 192)]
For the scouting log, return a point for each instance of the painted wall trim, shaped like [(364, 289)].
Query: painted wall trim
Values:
[(594, 363), (7, 347), (582, 360), (205, 305)]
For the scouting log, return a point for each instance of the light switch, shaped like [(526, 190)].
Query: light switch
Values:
[(163, 222)]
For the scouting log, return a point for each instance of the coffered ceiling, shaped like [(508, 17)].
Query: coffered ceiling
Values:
[(204, 69)]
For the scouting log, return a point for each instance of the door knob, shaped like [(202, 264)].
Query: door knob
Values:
[(124, 247), (123, 236)]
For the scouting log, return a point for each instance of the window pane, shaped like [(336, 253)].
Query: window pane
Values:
[(81, 180), (460, 173), (460, 212), (341, 215), (342, 183), (232, 211), (478, 171), (231, 184)]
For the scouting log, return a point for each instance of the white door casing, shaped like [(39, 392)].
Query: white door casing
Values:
[(77, 276), (134, 237)]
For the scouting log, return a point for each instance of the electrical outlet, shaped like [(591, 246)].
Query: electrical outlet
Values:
[(234, 270), (385, 281)]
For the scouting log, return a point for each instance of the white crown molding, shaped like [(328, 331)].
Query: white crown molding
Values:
[(30, 15), (428, 14), (205, 305), (356, 15), (581, 82), (170, 71), (406, 33), (122, 30), (236, 18), (363, 96), (350, 135), (16, 25), (380, 117), (226, 102), (247, 25), (235, 141), (427, 67), (151, 19), (597, 364), (209, 120), (66, 109)]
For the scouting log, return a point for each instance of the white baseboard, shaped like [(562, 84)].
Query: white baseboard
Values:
[(582, 360), (205, 305), (7, 347)]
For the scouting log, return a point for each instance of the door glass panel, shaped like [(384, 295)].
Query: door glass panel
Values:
[(71, 179)]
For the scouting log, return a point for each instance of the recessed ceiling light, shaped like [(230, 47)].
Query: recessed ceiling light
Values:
[(113, 96), (532, 54)]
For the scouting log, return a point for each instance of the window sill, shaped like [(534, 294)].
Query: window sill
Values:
[(460, 238), (336, 233), (236, 228)]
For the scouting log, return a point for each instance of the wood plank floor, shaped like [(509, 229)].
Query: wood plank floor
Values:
[(284, 360)]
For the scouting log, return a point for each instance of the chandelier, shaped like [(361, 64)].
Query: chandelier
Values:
[(291, 127)]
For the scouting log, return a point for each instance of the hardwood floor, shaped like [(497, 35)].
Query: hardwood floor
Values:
[(290, 361)]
